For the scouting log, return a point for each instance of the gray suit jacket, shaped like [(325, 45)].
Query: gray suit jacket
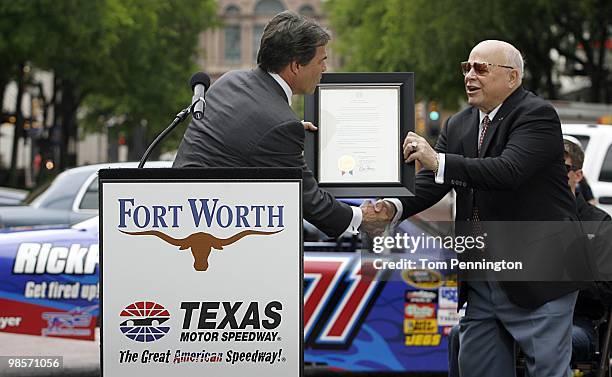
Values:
[(248, 123)]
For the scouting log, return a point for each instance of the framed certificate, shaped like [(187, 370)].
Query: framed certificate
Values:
[(362, 119)]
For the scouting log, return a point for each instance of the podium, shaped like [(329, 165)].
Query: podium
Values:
[(201, 272)]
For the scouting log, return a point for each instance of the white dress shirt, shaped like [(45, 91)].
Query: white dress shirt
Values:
[(284, 85)]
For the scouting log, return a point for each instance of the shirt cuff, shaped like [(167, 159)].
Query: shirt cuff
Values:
[(398, 210), (440, 174), (355, 221)]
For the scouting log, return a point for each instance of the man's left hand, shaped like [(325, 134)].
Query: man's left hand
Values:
[(308, 126), (417, 148)]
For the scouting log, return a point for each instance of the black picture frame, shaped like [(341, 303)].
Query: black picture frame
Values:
[(402, 80)]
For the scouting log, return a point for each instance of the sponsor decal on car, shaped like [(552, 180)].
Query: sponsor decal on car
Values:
[(423, 340), (45, 258), (422, 279), (420, 326), (421, 297), (420, 311), (450, 280), (448, 317), (76, 322), (337, 294), (448, 297), (6, 322), (54, 290)]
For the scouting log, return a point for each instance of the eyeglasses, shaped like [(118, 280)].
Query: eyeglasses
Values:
[(481, 68), (570, 168)]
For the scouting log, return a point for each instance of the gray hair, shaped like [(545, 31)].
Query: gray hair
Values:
[(515, 59)]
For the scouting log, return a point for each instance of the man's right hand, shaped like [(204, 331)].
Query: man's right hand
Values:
[(376, 217)]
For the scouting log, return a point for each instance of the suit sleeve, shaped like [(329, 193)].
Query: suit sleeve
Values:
[(427, 191), (283, 146), (530, 148)]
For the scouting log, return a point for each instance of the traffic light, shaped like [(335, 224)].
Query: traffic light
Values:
[(433, 119), (434, 115)]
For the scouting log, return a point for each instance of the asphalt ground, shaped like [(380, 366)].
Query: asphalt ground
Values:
[(80, 357)]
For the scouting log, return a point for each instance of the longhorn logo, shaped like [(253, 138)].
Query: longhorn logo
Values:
[(200, 243)]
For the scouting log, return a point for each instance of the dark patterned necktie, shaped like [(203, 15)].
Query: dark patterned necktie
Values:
[(476, 226), (485, 125)]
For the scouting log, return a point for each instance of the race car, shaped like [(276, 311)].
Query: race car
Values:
[(354, 320)]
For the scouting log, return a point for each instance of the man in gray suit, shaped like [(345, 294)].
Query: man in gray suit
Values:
[(249, 122)]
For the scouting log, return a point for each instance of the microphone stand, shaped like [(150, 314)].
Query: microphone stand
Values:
[(181, 116)]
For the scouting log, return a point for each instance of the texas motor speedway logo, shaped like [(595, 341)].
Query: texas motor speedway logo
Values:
[(143, 321)]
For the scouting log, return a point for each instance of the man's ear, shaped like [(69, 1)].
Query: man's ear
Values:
[(514, 76), (294, 66), (579, 175)]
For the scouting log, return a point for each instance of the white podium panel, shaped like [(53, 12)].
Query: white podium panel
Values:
[(201, 278)]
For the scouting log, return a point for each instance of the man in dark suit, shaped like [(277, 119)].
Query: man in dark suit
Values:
[(589, 307), (504, 158), (249, 122)]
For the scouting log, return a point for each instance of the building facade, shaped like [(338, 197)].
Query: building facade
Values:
[(234, 44)]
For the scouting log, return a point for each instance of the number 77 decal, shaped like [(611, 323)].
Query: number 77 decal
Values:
[(324, 277)]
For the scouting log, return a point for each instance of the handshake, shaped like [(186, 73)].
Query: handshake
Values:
[(376, 217)]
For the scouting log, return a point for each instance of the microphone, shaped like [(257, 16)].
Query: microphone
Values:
[(199, 82)]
